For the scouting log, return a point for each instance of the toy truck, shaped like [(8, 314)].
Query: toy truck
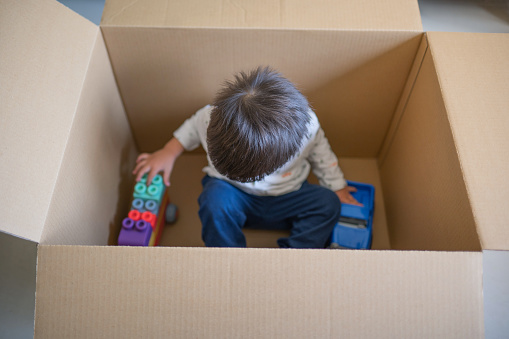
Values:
[(354, 229), (150, 211)]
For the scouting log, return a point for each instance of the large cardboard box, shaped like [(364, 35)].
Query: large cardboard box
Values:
[(422, 116)]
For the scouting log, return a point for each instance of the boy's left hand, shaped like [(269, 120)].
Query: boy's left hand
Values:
[(346, 198)]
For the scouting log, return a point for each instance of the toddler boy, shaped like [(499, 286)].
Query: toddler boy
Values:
[(261, 139)]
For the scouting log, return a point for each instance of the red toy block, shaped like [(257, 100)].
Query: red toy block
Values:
[(150, 218), (134, 214)]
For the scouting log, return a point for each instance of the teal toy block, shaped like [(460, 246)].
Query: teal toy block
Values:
[(153, 192)]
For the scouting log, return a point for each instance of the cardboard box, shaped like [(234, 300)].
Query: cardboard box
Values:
[(422, 116)]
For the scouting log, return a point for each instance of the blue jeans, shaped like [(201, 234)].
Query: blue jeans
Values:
[(310, 213)]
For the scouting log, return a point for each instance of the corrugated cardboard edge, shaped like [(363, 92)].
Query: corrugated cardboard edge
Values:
[(47, 48), (386, 15), (476, 54), (118, 292)]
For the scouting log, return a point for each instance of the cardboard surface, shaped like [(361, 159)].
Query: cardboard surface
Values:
[(186, 187), (323, 14), (66, 147), (118, 292), (91, 195), (473, 72), (46, 49), (353, 79), (425, 195)]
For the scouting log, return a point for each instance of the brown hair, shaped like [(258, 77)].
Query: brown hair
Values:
[(257, 124)]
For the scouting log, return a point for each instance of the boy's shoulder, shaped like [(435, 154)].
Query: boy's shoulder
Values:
[(313, 124), (204, 111), (202, 116)]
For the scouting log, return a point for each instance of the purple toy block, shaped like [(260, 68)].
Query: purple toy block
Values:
[(141, 225), (128, 223), (139, 235)]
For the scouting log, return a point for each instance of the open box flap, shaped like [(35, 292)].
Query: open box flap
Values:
[(118, 292), (46, 50), (424, 190), (93, 188), (298, 14), (473, 71)]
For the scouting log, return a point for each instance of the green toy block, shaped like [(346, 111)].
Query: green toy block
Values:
[(153, 192)]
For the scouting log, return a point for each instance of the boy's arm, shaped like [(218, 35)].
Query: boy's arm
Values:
[(325, 163), (188, 133), (325, 166), (186, 137), (159, 161)]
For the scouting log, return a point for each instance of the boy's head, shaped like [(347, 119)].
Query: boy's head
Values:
[(257, 124)]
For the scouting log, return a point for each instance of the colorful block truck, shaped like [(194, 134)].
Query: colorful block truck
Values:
[(354, 229), (150, 210)]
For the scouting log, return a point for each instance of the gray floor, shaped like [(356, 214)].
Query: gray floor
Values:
[(17, 286), (18, 256), (485, 16), (496, 294)]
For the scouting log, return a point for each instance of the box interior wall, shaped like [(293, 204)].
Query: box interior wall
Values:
[(369, 90)]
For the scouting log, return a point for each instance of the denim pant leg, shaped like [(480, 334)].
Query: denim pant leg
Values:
[(313, 211), (222, 213)]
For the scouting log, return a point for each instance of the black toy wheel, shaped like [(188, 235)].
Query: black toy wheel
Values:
[(171, 213)]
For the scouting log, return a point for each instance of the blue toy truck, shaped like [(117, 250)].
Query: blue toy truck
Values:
[(354, 229)]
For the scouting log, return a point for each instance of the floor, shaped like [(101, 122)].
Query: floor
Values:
[(18, 256)]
